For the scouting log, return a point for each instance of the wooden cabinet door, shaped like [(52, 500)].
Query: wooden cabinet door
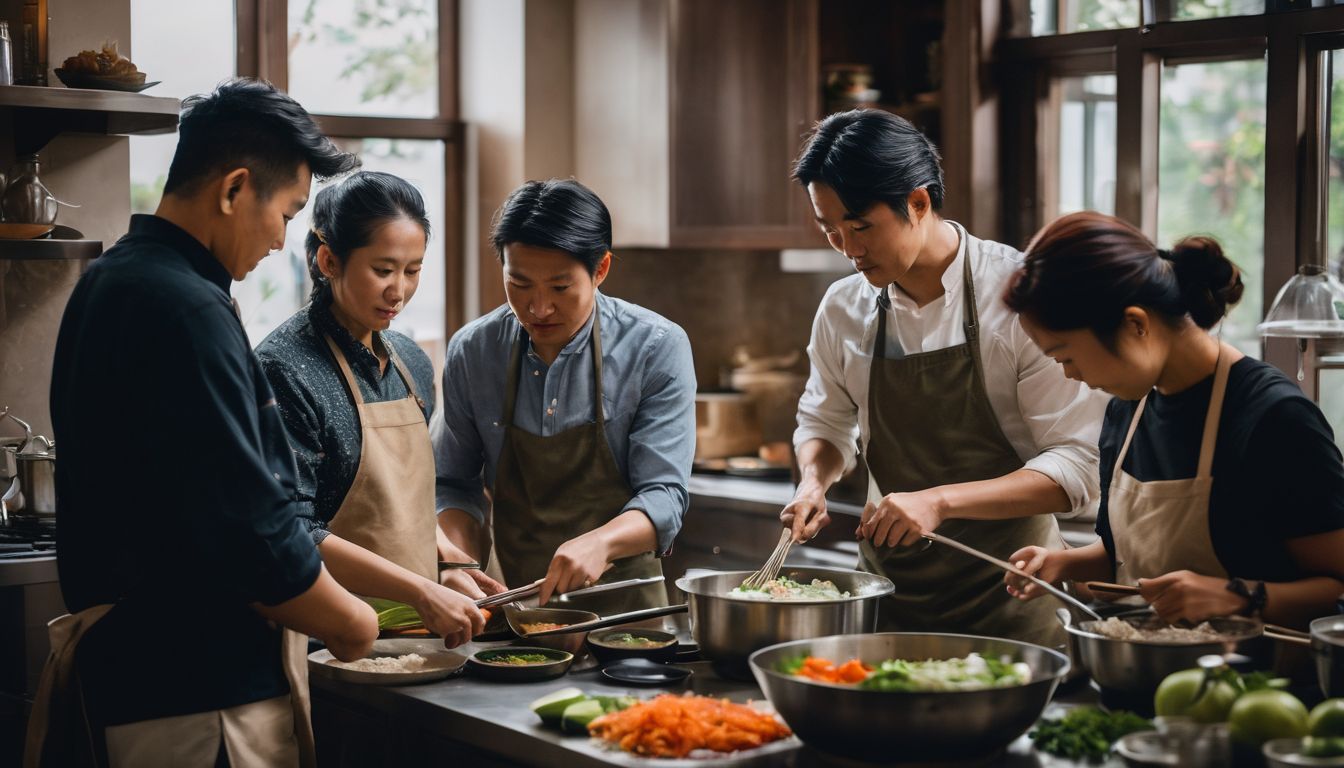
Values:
[(744, 93)]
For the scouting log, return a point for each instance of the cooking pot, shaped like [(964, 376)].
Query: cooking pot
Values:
[(728, 629), (35, 471), (1134, 668), (1327, 644), (725, 425)]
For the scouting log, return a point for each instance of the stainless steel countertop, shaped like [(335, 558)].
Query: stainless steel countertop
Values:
[(495, 717)]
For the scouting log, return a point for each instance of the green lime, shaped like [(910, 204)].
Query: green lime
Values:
[(1176, 696), (1267, 714), (1327, 719)]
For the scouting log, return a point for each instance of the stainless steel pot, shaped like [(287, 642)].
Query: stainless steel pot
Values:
[(881, 726), (35, 470), (1327, 644), (1135, 668), (728, 629)]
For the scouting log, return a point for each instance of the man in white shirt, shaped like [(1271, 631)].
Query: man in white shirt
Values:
[(965, 426)]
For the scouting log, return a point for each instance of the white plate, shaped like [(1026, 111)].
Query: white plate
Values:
[(440, 663)]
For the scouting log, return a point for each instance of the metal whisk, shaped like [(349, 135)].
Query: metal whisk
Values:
[(770, 570)]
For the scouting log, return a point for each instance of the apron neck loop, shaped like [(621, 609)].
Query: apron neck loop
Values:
[(971, 315), (512, 380), (349, 375)]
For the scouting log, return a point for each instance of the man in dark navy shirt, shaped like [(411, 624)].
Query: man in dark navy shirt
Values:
[(176, 486)]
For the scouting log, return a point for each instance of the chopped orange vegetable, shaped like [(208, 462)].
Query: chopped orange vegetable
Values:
[(825, 670), (674, 726)]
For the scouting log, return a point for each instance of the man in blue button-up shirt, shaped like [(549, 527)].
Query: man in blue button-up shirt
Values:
[(553, 239)]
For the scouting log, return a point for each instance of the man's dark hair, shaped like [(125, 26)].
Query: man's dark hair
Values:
[(248, 123), (868, 156), (561, 214)]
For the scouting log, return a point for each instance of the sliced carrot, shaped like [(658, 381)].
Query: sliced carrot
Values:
[(675, 726)]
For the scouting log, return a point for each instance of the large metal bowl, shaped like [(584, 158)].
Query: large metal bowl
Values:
[(1133, 668), (728, 629), (1327, 643), (880, 726)]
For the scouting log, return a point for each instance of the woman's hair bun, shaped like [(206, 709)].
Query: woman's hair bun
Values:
[(1210, 283)]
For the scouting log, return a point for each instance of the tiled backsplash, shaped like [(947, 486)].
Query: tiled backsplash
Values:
[(725, 300)]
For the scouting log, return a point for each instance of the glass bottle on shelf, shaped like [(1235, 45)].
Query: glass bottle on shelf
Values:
[(26, 199)]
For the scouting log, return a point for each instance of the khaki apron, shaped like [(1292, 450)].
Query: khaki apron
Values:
[(930, 424), (549, 489), (389, 509), (272, 732), (1163, 525)]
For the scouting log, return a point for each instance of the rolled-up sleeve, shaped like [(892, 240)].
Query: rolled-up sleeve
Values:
[(241, 527), (1064, 418), (303, 428), (826, 410), (662, 437), (459, 457)]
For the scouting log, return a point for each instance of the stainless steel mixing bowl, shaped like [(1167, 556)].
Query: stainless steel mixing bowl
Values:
[(728, 628), (1327, 644), (882, 726)]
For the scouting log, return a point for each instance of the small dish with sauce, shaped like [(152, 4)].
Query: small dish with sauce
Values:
[(610, 645), (519, 664)]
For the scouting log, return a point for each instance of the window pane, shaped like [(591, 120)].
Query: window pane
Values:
[(1042, 17), (280, 285), (1331, 398), (1206, 9), (365, 57), (1087, 144), (1084, 15), (186, 64), (1211, 157)]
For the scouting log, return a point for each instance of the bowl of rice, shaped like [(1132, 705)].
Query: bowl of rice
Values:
[(400, 661)]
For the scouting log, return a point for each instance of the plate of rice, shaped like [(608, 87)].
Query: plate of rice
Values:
[(398, 661)]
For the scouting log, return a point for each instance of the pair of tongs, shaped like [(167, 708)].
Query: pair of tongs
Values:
[(516, 594), (1013, 569)]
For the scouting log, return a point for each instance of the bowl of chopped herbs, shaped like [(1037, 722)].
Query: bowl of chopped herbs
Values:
[(519, 664), (1086, 733)]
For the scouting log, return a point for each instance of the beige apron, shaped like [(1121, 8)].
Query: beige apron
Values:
[(272, 732), (1163, 525), (389, 509), (549, 489), (930, 424)]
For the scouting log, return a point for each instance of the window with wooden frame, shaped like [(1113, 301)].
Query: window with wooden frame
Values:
[(380, 76), (1221, 127)]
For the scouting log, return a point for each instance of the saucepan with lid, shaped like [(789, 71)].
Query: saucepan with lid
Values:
[(35, 471)]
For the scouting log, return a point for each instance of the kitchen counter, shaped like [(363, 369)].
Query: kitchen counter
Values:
[(29, 570), (464, 720)]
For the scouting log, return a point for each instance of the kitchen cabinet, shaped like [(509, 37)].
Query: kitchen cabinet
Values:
[(689, 114)]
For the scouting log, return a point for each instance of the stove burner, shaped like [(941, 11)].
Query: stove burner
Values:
[(21, 536)]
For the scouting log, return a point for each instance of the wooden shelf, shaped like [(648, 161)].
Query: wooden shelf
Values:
[(37, 114), (64, 243)]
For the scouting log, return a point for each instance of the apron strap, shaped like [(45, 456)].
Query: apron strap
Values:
[(511, 382), (405, 374), (346, 373), (1133, 427), (1212, 418), (599, 414)]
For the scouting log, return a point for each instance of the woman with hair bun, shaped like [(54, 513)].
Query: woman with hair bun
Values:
[(1222, 487), (356, 399)]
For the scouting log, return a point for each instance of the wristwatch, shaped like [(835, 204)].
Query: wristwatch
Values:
[(1255, 596)]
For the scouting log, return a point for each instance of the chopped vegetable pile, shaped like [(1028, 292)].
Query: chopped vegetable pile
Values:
[(1086, 733), (675, 726), (785, 588), (529, 627), (627, 640), (973, 672)]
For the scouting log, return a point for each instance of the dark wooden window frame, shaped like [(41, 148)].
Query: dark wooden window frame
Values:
[(262, 51), (1296, 45)]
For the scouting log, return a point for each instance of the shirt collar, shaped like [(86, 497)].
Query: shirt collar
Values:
[(194, 251), (952, 276), (359, 356), (581, 339)]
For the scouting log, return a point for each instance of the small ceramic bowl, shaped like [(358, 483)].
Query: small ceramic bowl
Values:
[(1287, 753), (490, 664), (1148, 748), (653, 644)]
